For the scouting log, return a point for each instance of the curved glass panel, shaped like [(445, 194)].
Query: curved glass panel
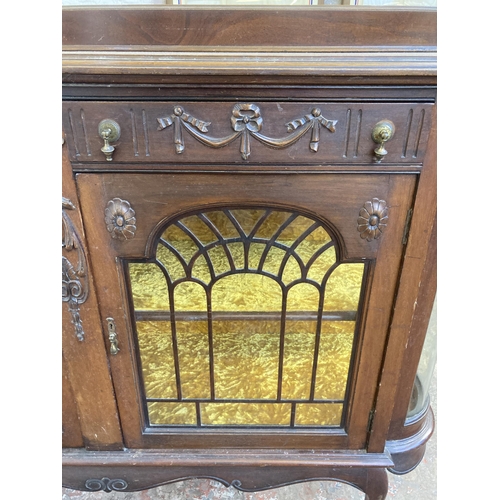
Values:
[(253, 324), (426, 367)]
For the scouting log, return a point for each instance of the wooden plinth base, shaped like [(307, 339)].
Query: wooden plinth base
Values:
[(247, 470)]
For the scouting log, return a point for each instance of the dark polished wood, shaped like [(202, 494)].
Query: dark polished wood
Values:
[(246, 27), (417, 274), (337, 199), (401, 427), (147, 140), (408, 452), (358, 67), (237, 469), (85, 362), (71, 432)]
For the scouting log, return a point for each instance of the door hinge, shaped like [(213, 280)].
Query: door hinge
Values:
[(370, 420), (406, 230)]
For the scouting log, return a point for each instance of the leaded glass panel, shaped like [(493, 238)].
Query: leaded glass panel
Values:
[(246, 317)]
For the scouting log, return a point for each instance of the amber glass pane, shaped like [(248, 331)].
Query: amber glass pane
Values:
[(300, 338), (181, 242), (262, 324), (149, 289), (224, 225), (172, 413), (334, 359), (344, 287), (238, 255), (192, 342), (294, 230), (272, 225), (255, 255), (303, 297), (273, 260), (246, 359), (298, 359), (199, 229), (173, 265), (312, 243), (219, 260), (318, 414), (246, 351), (246, 292), (247, 219), (291, 271), (155, 347), (318, 268), (200, 270), (245, 414)]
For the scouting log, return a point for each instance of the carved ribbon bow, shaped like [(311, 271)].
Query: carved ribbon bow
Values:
[(246, 121)]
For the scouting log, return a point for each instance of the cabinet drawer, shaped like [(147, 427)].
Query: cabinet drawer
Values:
[(159, 135)]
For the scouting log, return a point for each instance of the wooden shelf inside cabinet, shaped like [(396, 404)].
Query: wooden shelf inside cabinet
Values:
[(248, 213)]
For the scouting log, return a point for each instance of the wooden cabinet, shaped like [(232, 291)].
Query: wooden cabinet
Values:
[(249, 248)]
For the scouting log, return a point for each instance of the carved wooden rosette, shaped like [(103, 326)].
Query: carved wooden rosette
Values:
[(120, 219), (246, 121), (74, 280), (372, 219)]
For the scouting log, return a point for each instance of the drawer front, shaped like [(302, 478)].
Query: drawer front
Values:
[(159, 135)]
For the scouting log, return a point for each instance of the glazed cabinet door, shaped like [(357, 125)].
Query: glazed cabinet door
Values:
[(245, 310)]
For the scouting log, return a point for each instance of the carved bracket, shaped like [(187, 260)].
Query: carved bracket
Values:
[(246, 122), (74, 281)]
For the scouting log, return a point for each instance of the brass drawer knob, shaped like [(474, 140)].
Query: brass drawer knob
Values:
[(381, 133), (109, 131)]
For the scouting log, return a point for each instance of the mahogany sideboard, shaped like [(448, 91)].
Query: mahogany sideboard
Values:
[(249, 244)]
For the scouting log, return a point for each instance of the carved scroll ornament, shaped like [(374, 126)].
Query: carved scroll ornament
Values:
[(372, 219), (106, 484), (247, 122), (74, 281)]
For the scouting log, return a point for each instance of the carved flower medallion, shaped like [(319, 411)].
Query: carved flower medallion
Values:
[(246, 116), (372, 219), (120, 219)]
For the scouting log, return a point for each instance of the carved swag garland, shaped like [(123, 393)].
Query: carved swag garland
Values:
[(246, 122)]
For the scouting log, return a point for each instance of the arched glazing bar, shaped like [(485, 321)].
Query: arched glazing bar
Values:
[(257, 321)]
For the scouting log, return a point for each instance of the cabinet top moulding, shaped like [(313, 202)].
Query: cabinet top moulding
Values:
[(162, 43)]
